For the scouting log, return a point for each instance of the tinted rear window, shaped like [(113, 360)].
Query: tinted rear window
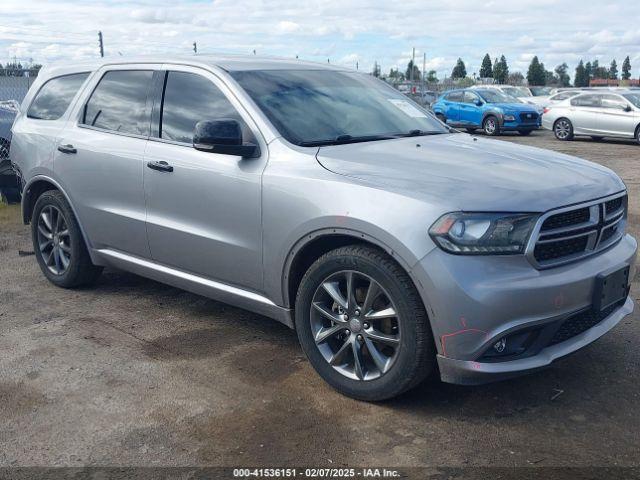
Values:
[(119, 102), (454, 97), (54, 97)]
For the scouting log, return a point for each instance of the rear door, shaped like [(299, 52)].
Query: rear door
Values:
[(584, 114), (99, 157), (615, 119), (452, 102), (204, 216)]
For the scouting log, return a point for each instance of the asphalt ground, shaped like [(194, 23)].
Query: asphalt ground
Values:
[(131, 372)]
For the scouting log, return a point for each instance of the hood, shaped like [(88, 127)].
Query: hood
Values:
[(473, 174)]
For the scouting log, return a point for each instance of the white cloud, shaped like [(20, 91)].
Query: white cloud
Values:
[(342, 30)]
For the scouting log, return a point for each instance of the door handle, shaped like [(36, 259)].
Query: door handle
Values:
[(160, 166), (67, 149)]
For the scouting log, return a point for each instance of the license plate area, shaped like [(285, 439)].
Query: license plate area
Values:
[(611, 287)]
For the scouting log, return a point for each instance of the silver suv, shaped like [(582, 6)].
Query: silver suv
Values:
[(324, 199)]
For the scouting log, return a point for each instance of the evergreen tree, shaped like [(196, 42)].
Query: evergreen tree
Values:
[(588, 70), (376, 70), (562, 75), (486, 70), (613, 70), (459, 71), (501, 70), (626, 69), (432, 76), (581, 79), (416, 72), (536, 74)]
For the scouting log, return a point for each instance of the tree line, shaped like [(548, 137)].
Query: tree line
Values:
[(537, 73), (16, 69)]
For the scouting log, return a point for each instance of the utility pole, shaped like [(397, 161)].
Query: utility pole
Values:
[(101, 44), (195, 47), (424, 66), (413, 65)]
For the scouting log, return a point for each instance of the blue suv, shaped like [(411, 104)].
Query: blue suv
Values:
[(488, 109)]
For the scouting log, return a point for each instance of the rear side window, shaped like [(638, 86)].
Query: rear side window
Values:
[(188, 99), (119, 102), (454, 97), (54, 97), (586, 101)]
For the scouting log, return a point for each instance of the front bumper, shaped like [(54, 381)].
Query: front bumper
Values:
[(473, 301)]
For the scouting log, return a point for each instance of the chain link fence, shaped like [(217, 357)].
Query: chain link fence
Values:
[(14, 85)]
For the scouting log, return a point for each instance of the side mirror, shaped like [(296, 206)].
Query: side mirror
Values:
[(479, 103), (222, 136), (627, 108)]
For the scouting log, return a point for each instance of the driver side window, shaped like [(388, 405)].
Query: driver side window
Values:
[(189, 98), (470, 97)]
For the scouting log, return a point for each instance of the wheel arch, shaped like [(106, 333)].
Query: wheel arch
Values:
[(34, 189), (313, 245), (492, 113)]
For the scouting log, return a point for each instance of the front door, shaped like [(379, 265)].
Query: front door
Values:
[(204, 216), (99, 156), (617, 117)]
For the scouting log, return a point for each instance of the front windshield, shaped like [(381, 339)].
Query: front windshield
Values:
[(319, 107), (516, 91), (540, 91), (633, 98), (496, 96)]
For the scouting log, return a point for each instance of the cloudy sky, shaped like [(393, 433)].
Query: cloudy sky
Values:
[(344, 31)]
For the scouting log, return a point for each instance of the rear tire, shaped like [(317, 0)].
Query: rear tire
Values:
[(638, 134), (524, 133), (563, 129), (58, 243), (402, 354), (491, 126)]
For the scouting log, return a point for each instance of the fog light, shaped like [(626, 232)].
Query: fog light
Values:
[(500, 345)]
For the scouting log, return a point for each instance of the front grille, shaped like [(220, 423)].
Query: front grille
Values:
[(531, 117), (566, 219), (613, 205), (580, 231), (561, 248), (581, 322)]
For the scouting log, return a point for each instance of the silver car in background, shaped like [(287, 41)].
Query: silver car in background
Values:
[(595, 114), (325, 199)]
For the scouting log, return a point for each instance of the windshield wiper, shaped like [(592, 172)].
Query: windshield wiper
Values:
[(344, 139), (419, 133)]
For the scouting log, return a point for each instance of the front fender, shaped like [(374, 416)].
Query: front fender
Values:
[(495, 113)]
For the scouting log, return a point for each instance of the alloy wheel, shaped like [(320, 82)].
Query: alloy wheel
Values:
[(355, 325), (563, 129), (54, 240), (490, 126)]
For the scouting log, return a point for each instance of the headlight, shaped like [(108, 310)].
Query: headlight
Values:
[(483, 233), (509, 118)]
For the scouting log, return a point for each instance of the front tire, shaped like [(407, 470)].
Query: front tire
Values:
[(362, 324), (563, 129), (58, 243), (491, 126)]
